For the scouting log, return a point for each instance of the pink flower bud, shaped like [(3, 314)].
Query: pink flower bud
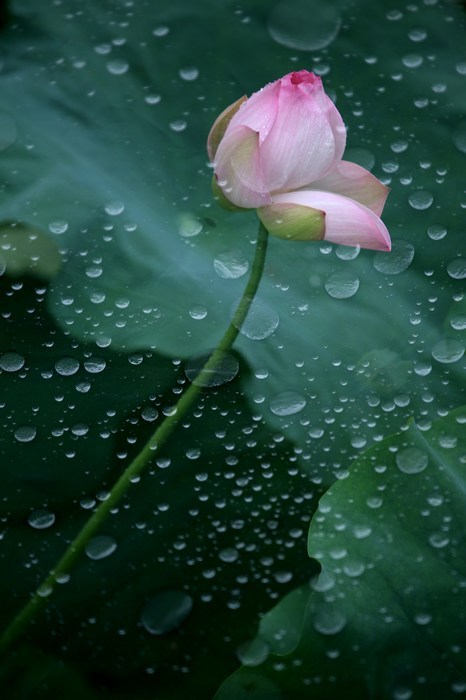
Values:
[(281, 138), (280, 152)]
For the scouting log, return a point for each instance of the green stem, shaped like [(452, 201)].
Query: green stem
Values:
[(140, 462)]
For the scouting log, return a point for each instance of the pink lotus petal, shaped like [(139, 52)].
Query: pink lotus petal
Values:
[(346, 222), (258, 112), (306, 138), (238, 168), (356, 182), (220, 125)]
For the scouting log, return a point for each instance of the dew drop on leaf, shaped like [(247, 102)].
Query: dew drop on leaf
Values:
[(11, 362), (411, 460), (25, 433), (166, 611), (448, 351), (41, 519), (329, 620), (253, 652), (100, 547), (287, 403), (397, 261), (457, 268), (231, 264), (224, 372), (304, 25), (342, 285), (261, 321)]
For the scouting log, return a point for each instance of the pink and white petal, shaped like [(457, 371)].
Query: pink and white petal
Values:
[(238, 170), (259, 110), (354, 181), (220, 125), (293, 221), (346, 222), (301, 145), (338, 127)]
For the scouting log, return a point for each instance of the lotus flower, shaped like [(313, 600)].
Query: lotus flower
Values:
[(280, 152)]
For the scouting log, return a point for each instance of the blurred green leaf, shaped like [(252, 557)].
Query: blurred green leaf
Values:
[(387, 617)]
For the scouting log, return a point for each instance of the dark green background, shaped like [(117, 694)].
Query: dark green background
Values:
[(76, 133)]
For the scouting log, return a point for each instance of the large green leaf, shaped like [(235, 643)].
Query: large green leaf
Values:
[(120, 179), (387, 618)]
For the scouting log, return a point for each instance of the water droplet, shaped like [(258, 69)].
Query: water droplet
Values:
[(178, 125), (41, 519), (305, 25), (231, 264), (287, 403), (253, 652), (228, 555), (412, 460), (25, 433), (458, 322), (198, 312), (397, 261), (58, 227), (114, 208), (67, 366), (329, 620), (149, 414), (260, 322), (8, 131), (412, 60), (342, 285), (11, 362), (436, 232), (166, 611), (421, 199), (117, 66), (438, 540), (459, 136), (457, 268), (100, 547), (346, 252), (94, 365), (226, 370), (152, 99), (189, 74), (160, 31), (448, 351), (189, 226)]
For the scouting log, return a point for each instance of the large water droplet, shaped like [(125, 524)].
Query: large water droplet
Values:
[(67, 366), (457, 268), (287, 403), (25, 433), (329, 620), (411, 460), (397, 261), (231, 264), (342, 285), (421, 199), (260, 322), (11, 362), (459, 136), (166, 611), (448, 350), (253, 653), (41, 519), (100, 547), (305, 25), (225, 370)]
